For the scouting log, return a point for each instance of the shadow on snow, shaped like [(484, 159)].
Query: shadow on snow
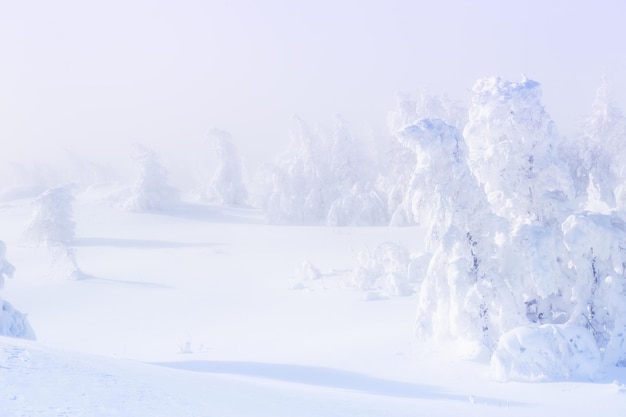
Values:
[(139, 243), (329, 378), (98, 280)]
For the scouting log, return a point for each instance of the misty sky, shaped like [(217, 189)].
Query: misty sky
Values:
[(93, 74)]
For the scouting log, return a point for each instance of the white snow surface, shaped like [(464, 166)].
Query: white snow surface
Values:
[(195, 311)]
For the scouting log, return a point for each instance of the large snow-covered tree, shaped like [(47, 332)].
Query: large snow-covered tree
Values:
[(516, 266)]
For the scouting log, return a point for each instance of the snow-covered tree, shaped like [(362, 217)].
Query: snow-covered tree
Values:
[(603, 152), (459, 294), (398, 157), (151, 191), (12, 322), (512, 145), (53, 225), (515, 266), (227, 186)]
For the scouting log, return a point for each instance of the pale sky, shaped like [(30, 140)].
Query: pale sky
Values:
[(92, 74)]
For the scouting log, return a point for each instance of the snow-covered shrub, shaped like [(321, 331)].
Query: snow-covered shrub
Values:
[(307, 271), (12, 322), (547, 352), (384, 270), (227, 186), (151, 190)]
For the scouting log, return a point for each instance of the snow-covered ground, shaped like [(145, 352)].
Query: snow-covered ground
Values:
[(201, 311)]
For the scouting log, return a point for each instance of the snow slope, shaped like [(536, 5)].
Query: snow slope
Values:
[(199, 311)]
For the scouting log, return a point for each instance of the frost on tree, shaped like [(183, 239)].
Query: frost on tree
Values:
[(12, 322), (516, 267), (151, 191), (227, 186)]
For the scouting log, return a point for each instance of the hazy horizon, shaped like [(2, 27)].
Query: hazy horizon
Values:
[(96, 76)]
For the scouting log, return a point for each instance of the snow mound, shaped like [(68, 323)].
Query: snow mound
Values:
[(14, 323), (547, 352)]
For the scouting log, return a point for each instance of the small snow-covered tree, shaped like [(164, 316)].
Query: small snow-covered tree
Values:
[(602, 147), (52, 222), (227, 186), (12, 322), (53, 225), (151, 191)]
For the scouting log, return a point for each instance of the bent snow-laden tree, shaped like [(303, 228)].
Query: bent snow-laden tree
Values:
[(459, 296), (516, 267), (12, 322)]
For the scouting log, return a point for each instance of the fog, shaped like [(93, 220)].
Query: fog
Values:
[(94, 77)]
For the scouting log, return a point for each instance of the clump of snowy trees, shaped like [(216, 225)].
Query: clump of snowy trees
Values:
[(519, 266), (12, 322), (323, 177)]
